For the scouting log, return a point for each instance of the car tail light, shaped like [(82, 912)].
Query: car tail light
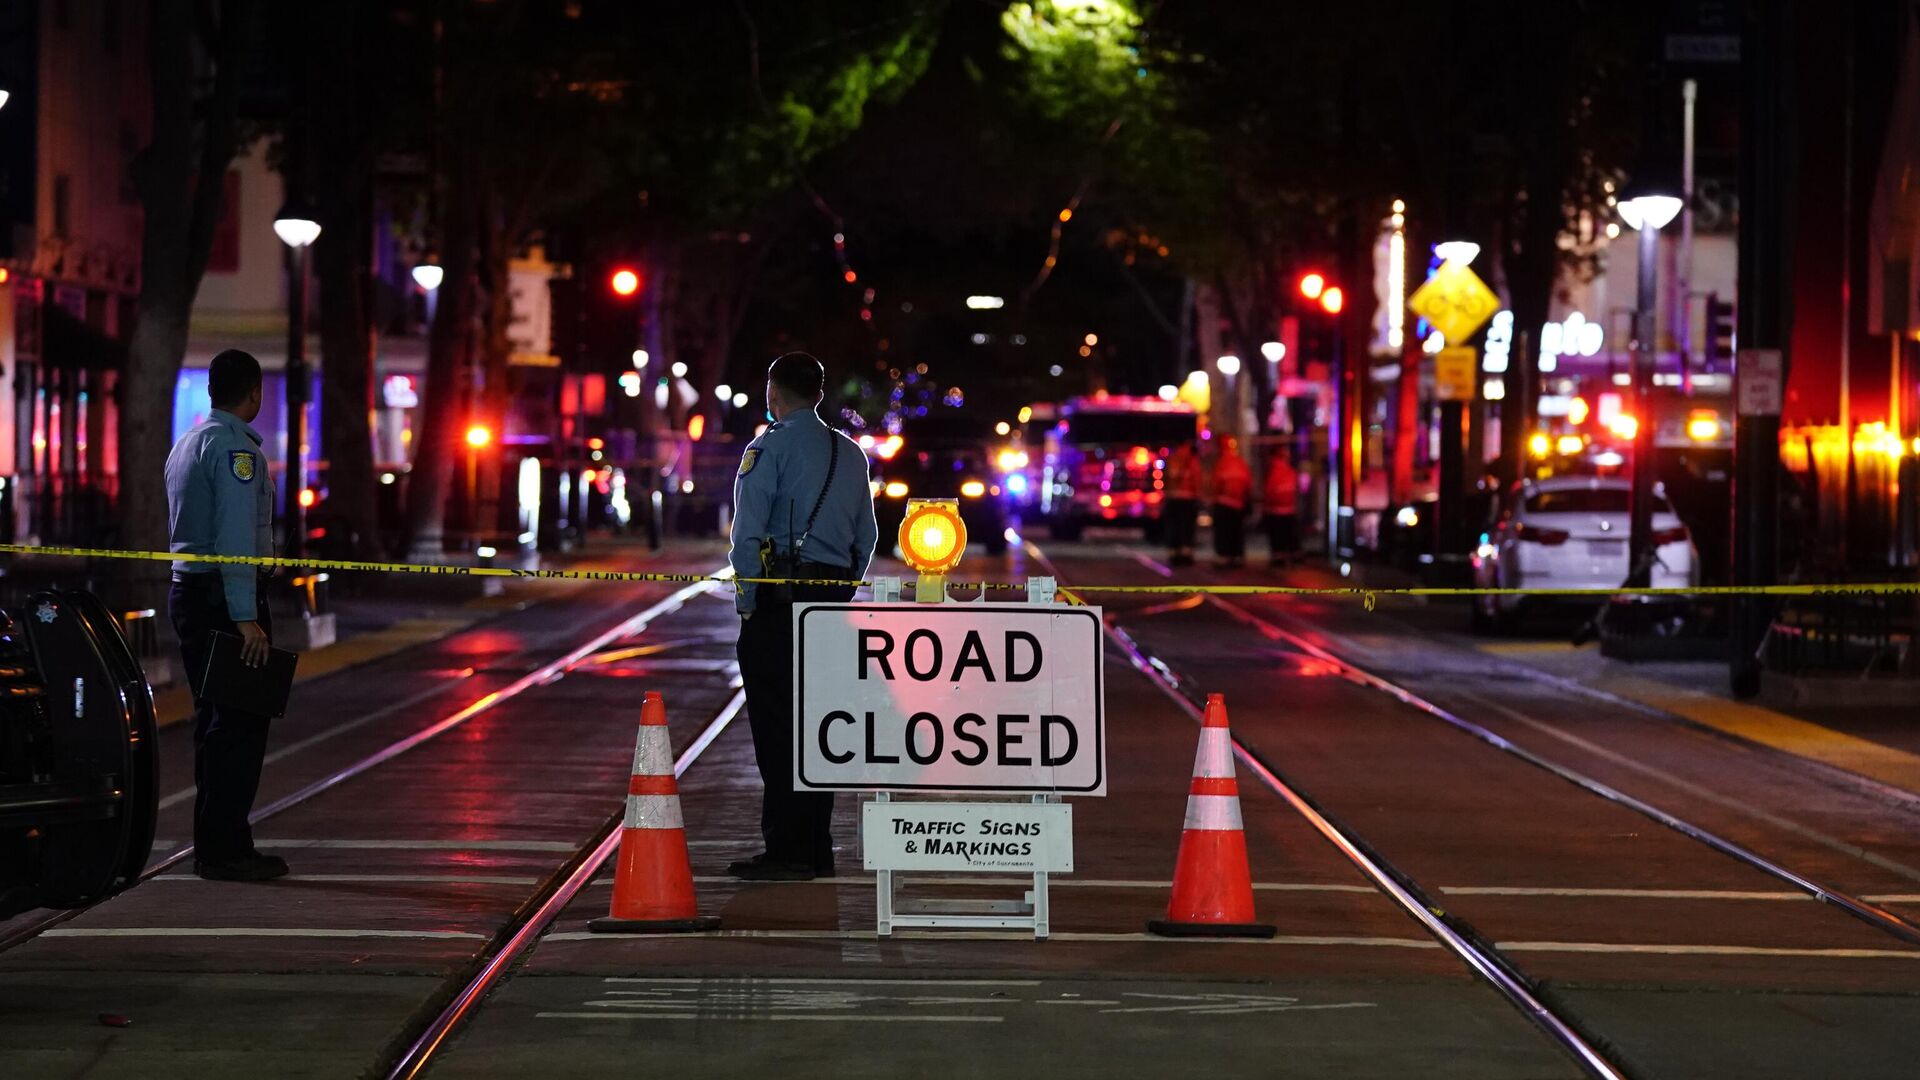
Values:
[(1538, 535), (1675, 535)]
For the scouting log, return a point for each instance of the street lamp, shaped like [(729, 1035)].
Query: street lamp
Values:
[(296, 228), (1647, 204)]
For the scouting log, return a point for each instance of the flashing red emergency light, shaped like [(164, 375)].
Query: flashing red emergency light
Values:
[(624, 282), (478, 436)]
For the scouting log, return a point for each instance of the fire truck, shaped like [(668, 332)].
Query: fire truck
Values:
[(1105, 461)]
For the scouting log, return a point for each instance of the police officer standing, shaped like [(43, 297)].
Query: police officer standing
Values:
[(802, 509), (220, 502)]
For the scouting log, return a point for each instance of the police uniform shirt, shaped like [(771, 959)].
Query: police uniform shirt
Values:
[(780, 477), (220, 502)]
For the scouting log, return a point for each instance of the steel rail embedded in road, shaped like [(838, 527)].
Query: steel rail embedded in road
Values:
[(546, 904), (542, 674), (1872, 914), (1480, 958)]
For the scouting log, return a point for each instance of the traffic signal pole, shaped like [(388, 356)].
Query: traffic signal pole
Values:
[(1766, 253)]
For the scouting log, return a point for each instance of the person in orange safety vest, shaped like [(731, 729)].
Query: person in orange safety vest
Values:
[(1232, 491), (1181, 509), (1282, 509)]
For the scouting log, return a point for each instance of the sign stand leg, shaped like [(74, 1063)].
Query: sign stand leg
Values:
[(883, 888), (1042, 909)]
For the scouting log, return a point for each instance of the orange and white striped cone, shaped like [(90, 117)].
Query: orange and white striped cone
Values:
[(1212, 888), (653, 879)]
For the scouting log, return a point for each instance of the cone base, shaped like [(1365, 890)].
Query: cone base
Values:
[(696, 925), (1163, 928)]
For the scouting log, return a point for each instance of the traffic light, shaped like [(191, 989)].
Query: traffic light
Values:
[(624, 281), (1312, 285), (1332, 300), (1719, 334)]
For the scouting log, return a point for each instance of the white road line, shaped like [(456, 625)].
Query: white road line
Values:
[(423, 845), (1893, 898), (816, 981), (755, 1018), (252, 931), (1706, 950), (404, 879), (1624, 894), (869, 935), (1056, 882)]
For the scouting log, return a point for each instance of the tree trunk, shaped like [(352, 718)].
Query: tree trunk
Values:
[(449, 343), (339, 174), (179, 217)]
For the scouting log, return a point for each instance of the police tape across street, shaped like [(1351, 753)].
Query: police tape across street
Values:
[(1368, 594)]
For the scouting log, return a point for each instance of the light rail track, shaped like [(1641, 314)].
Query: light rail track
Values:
[(540, 675), (1458, 938), (494, 965)]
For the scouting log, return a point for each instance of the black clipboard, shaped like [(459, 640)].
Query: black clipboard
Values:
[(229, 683)]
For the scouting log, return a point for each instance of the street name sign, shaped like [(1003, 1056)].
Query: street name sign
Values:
[(959, 697), (1012, 838), (1455, 301)]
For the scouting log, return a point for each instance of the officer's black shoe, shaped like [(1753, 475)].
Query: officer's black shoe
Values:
[(253, 867), (763, 868)]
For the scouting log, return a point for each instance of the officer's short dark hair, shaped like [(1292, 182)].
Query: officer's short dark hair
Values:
[(798, 374), (232, 377)]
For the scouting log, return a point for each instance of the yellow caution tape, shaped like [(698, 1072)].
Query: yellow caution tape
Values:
[(1369, 595)]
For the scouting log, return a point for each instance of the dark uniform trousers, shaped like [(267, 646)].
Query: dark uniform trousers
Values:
[(797, 825), (229, 746)]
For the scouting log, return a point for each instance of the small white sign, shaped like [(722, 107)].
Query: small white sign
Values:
[(1010, 838), (967, 697), (1760, 384)]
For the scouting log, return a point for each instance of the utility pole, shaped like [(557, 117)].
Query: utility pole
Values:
[(1683, 259), (1767, 132)]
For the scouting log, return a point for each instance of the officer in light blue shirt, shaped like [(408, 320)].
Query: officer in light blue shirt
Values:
[(802, 508), (220, 502)]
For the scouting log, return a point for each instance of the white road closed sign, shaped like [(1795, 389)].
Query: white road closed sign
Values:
[(948, 697)]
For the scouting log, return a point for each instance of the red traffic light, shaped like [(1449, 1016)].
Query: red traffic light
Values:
[(1332, 299), (1312, 285), (624, 282)]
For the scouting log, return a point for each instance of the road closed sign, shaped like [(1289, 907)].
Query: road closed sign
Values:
[(985, 698)]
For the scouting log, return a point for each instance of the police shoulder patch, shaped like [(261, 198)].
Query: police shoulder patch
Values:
[(242, 463), (748, 459)]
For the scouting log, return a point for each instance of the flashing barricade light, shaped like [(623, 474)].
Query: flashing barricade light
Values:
[(1312, 285), (307, 498), (478, 436), (1333, 300), (696, 426), (932, 539), (1539, 445), (973, 489), (624, 281)]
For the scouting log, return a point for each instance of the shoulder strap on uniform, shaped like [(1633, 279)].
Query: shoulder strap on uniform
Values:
[(833, 466)]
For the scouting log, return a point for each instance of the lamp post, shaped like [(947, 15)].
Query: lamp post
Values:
[(1647, 205), (296, 227)]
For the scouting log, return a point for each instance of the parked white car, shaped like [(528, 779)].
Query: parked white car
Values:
[(1569, 532)]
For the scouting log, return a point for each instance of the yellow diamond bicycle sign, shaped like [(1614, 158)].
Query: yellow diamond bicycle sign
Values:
[(1455, 301)]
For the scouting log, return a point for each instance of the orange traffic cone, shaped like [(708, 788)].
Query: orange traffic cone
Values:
[(1212, 889), (653, 882)]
